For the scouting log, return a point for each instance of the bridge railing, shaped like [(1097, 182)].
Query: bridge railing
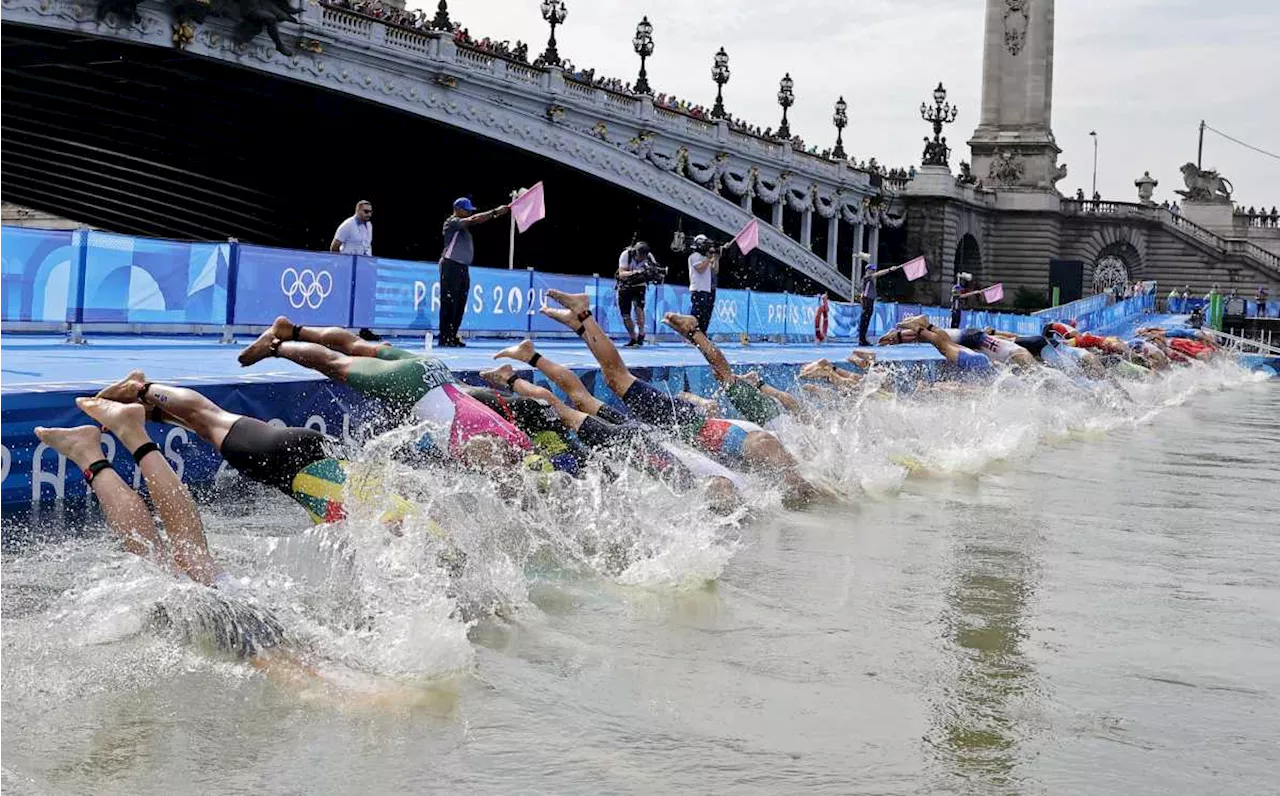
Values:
[(53, 278)]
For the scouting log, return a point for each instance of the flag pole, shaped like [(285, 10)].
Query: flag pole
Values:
[(511, 236)]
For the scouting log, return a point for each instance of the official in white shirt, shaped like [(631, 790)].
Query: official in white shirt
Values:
[(703, 263), (355, 235)]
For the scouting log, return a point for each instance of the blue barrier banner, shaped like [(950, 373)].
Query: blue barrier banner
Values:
[(664, 299), (731, 312), (501, 300), (606, 308), (39, 274), (801, 311), (768, 313), (844, 319), (146, 280), (396, 294), (312, 288), (569, 284)]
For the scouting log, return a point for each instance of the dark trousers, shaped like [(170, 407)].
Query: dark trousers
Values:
[(864, 323), (704, 302), (955, 318), (455, 285)]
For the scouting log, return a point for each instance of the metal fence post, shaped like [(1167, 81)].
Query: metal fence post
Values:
[(233, 276), (82, 262), (351, 306)]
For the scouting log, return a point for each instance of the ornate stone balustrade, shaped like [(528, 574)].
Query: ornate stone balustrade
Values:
[(1163, 215)]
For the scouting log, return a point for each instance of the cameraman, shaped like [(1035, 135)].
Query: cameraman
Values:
[(636, 268), (704, 262)]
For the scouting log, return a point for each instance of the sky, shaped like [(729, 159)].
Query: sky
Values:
[(1142, 73)]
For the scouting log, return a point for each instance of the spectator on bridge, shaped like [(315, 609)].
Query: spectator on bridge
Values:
[(455, 266), (355, 235)]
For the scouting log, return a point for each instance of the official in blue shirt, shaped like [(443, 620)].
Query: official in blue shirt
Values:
[(455, 266)]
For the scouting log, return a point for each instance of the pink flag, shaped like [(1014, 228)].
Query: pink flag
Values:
[(914, 269), (994, 293), (528, 208), (748, 238)]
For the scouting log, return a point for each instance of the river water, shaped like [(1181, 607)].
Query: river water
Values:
[(1025, 592)]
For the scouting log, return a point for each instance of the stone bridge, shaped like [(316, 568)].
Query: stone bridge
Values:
[(1010, 237), (703, 169)]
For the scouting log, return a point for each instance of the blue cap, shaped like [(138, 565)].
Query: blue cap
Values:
[(871, 267), (463, 204)]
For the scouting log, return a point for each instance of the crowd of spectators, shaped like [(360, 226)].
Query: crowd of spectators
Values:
[(418, 20)]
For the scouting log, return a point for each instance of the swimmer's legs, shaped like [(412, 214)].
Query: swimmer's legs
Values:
[(788, 401), (562, 377), (191, 409), (927, 333), (284, 331), (687, 326), (173, 502), (127, 516), (577, 316), (505, 377)]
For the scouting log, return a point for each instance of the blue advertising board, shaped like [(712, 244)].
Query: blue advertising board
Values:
[(569, 284), (146, 280), (40, 274), (500, 300), (396, 294), (312, 288), (732, 310)]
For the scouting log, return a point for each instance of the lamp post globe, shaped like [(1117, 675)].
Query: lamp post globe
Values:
[(720, 74), (554, 13), (786, 98), (840, 118), (642, 43)]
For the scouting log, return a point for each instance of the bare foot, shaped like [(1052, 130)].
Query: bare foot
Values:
[(863, 359), (499, 376), (575, 302), (126, 390), (914, 322), (259, 349), (684, 324), (520, 353), (897, 336), (708, 406), (567, 317), (282, 328), (118, 418), (815, 370), (82, 444)]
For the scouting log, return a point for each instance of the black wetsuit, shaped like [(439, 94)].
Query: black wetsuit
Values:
[(539, 421), (1035, 343)]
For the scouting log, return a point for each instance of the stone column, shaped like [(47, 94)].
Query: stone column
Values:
[(833, 238), (745, 201), (859, 230), (806, 228), (777, 211), (873, 248)]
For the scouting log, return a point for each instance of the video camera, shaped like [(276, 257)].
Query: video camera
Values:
[(653, 271), (705, 246)]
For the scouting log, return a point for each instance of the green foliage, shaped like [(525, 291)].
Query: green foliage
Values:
[(1026, 298)]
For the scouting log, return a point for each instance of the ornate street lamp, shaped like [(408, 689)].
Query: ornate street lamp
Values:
[(786, 98), (840, 119), (554, 12), (441, 20), (936, 151), (643, 45), (720, 74)]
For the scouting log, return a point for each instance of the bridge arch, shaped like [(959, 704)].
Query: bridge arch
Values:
[(968, 257)]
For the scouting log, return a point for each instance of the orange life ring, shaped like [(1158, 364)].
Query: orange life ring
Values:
[(822, 319)]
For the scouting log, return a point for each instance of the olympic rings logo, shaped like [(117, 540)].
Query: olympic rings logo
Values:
[(306, 287), (727, 311)]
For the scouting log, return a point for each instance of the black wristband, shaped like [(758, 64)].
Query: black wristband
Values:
[(297, 330), (91, 472), (143, 450), (142, 394), (511, 382), (533, 360)]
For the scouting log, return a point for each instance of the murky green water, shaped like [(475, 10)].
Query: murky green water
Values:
[(1099, 614)]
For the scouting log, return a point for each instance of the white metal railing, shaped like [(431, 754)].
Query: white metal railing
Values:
[(1239, 342), (407, 39)]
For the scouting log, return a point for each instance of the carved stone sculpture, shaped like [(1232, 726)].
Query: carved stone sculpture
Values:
[(1146, 187), (1006, 168), (1205, 185), (254, 16)]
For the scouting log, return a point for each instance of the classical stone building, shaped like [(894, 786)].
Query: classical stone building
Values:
[(1004, 220)]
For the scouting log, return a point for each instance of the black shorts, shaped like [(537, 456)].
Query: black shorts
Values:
[(1034, 343), (611, 415), (598, 433), (658, 408), (972, 339), (271, 455), (628, 296)]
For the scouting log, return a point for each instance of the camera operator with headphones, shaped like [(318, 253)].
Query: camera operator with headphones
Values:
[(704, 263), (636, 269)]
